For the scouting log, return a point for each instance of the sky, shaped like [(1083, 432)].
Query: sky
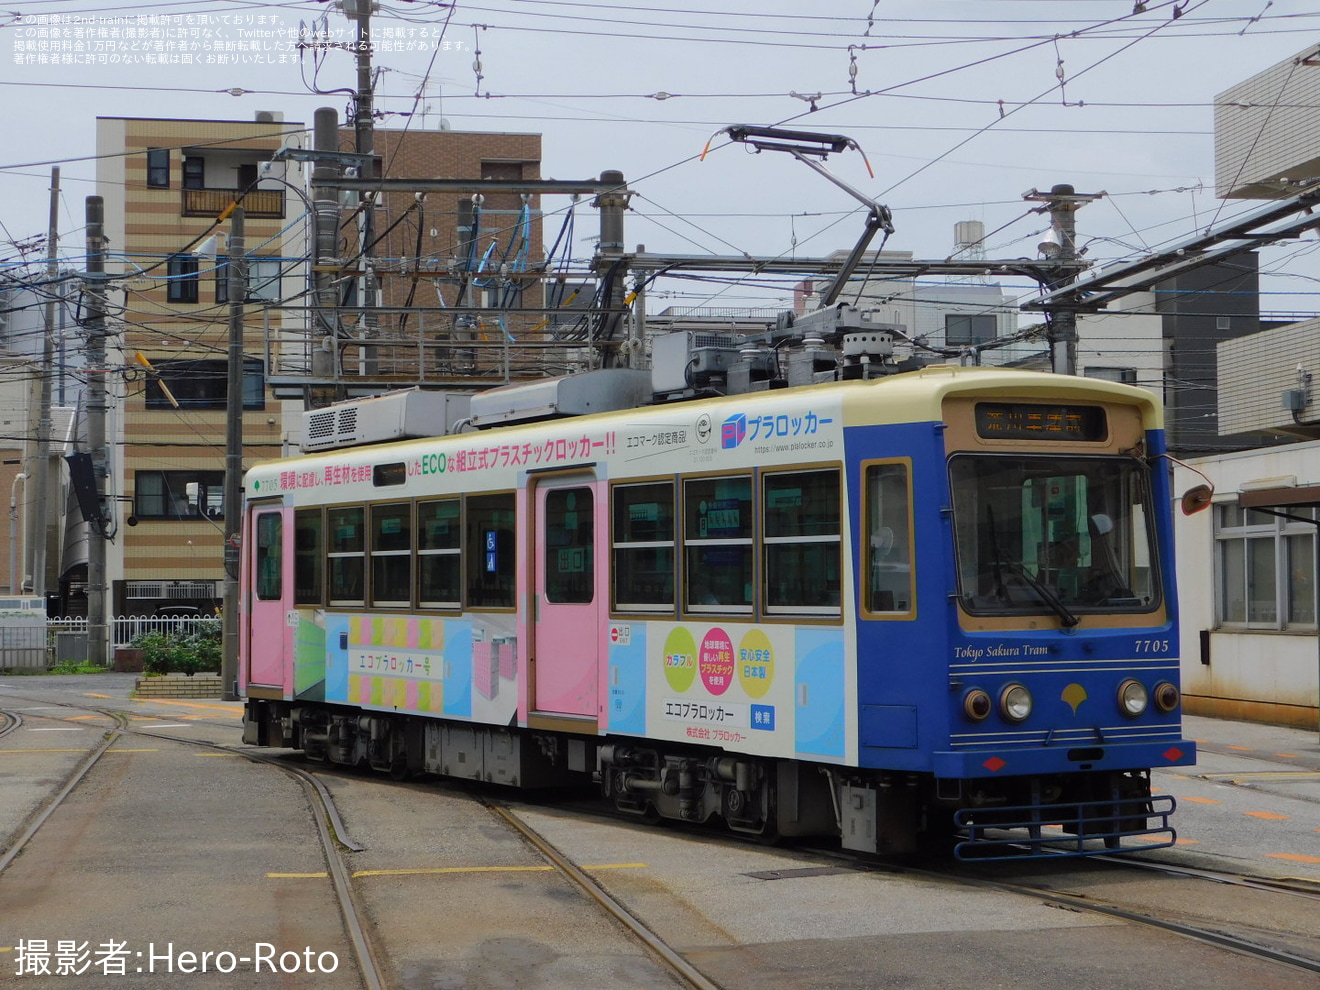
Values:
[(959, 106)]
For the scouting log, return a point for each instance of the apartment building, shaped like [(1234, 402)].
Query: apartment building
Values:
[(165, 184)]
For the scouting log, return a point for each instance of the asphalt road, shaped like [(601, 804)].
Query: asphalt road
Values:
[(166, 844)]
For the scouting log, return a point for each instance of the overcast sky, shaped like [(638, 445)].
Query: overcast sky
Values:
[(918, 85)]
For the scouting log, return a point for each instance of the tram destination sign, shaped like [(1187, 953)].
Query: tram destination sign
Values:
[(1035, 421)]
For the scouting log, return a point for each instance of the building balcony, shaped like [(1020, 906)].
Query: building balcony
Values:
[(259, 204)]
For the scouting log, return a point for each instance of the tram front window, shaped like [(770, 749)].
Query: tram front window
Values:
[(1066, 536)]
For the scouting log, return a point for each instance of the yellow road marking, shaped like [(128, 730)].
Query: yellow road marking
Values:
[(191, 704), (1200, 800), (1294, 857), (453, 869), (1185, 842), (81, 718), (296, 876), (90, 695), (1286, 756), (1243, 749), (1268, 816)]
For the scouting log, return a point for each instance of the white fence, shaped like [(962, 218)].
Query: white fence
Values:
[(32, 648)]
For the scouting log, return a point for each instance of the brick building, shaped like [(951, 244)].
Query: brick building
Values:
[(451, 250)]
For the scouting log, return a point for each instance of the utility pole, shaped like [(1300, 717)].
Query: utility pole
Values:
[(1062, 202), (97, 639), (364, 145), (612, 204), (325, 262), (41, 518), (237, 291)]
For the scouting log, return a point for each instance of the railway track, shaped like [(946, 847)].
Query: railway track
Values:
[(671, 959), (331, 831), (1204, 932), (375, 972), (336, 839), (47, 808)]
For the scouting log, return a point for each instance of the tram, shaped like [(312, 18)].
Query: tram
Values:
[(927, 607)]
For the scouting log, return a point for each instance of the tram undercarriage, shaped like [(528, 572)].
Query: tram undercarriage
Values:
[(875, 812)]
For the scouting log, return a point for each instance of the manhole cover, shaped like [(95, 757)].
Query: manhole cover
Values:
[(810, 871)]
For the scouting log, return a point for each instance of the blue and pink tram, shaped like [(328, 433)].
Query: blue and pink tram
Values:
[(933, 605)]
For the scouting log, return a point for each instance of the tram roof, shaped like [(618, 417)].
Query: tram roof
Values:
[(915, 396)]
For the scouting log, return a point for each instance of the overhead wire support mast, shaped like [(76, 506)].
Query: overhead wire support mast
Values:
[(1062, 203), (806, 147)]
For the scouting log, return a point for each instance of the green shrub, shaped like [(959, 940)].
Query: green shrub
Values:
[(189, 653), (75, 667)]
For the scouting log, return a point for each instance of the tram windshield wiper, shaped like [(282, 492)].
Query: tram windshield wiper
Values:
[(1066, 618)]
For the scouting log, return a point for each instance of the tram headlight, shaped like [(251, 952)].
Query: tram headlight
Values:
[(1015, 703), (977, 705), (1132, 697), (1166, 696)]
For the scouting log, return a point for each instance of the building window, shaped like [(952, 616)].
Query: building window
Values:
[(263, 280), (204, 385), (179, 494), (963, 328), (502, 171), (182, 272), (194, 172), (158, 168), (1127, 376), (1265, 568)]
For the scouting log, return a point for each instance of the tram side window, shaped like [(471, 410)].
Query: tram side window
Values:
[(643, 537), (308, 557), (269, 557), (391, 555), (888, 536), (717, 544), (439, 554), (569, 538), (346, 559), (490, 547), (802, 547)]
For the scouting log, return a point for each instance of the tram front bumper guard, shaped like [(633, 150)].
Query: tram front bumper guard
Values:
[(1066, 829)]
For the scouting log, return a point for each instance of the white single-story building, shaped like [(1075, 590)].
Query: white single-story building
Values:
[(1247, 586)]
